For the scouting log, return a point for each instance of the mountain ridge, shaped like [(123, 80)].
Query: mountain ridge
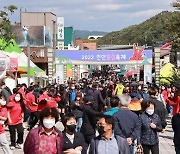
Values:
[(148, 32), (83, 34)]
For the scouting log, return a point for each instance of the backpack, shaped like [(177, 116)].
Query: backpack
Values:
[(72, 96)]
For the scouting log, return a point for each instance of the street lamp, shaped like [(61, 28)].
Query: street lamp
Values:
[(25, 32)]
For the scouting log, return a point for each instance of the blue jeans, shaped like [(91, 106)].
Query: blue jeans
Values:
[(131, 147), (171, 109), (79, 124)]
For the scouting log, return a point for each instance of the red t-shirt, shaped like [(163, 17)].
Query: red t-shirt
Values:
[(30, 100), (21, 90), (41, 103), (11, 98), (3, 113), (15, 113), (52, 102), (176, 106)]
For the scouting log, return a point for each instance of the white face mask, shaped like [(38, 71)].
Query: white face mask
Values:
[(49, 123), (73, 88), (150, 111), (163, 88), (77, 98), (17, 98), (2, 102)]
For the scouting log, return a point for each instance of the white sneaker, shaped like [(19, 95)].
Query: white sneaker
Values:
[(12, 147), (19, 146)]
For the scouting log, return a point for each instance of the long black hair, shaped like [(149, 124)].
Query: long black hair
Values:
[(22, 104)]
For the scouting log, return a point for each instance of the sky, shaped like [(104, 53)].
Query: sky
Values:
[(94, 15)]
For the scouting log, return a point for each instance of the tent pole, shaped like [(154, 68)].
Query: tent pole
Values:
[(16, 77), (28, 51)]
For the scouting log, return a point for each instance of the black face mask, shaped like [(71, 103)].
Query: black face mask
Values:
[(100, 130), (71, 128)]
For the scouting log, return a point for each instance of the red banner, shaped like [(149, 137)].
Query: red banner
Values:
[(13, 64)]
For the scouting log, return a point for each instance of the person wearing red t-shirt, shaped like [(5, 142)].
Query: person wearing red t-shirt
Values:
[(22, 90), (32, 106), (16, 111), (11, 98), (42, 99), (3, 117), (53, 99)]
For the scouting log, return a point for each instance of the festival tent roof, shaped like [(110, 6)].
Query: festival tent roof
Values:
[(12, 50), (23, 63)]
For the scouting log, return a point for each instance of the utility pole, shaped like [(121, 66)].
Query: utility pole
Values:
[(25, 31)]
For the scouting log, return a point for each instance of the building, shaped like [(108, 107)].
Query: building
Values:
[(85, 45), (47, 19)]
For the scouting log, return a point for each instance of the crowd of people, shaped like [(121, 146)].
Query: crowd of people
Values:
[(100, 116)]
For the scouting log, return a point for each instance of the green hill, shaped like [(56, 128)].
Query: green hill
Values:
[(150, 31)]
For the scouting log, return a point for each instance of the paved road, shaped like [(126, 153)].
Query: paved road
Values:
[(166, 140)]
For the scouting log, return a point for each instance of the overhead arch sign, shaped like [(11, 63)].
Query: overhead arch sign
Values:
[(132, 56)]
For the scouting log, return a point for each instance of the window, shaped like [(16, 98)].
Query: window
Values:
[(41, 53)]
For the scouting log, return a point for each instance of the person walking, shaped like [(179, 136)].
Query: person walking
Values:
[(160, 110), (114, 101), (149, 126), (73, 142), (3, 117), (176, 129), (126, 122), (16, 111), (107, 142), (88, 128), (32, 106), (46, 138)]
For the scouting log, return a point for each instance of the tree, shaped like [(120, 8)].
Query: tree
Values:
[(176, 4), (174, 27), (5, 24)]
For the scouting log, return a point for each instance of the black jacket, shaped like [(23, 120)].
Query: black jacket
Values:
[(122, 145), (126, 124), (148, 136), (176, 128), (160, 110), (78, 141), (89, 120), (98, 99)]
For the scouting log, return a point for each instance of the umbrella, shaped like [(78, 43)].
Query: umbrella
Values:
[(130, 73), (122, 72)]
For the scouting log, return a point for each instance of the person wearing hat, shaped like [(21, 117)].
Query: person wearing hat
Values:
[(89, 119)]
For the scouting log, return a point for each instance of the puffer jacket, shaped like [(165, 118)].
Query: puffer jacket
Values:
[(31, 145), (148, 135)]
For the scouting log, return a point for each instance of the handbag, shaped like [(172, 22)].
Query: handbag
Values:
[(139, 150)]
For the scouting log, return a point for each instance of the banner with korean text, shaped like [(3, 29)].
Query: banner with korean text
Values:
[(64, 57)]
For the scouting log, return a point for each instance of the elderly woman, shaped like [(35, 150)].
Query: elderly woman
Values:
[(74, 142), (46, 138), (149, 125)]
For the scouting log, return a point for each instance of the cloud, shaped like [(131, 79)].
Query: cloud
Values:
[(144, 13), (110, 7), (105, 15)]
